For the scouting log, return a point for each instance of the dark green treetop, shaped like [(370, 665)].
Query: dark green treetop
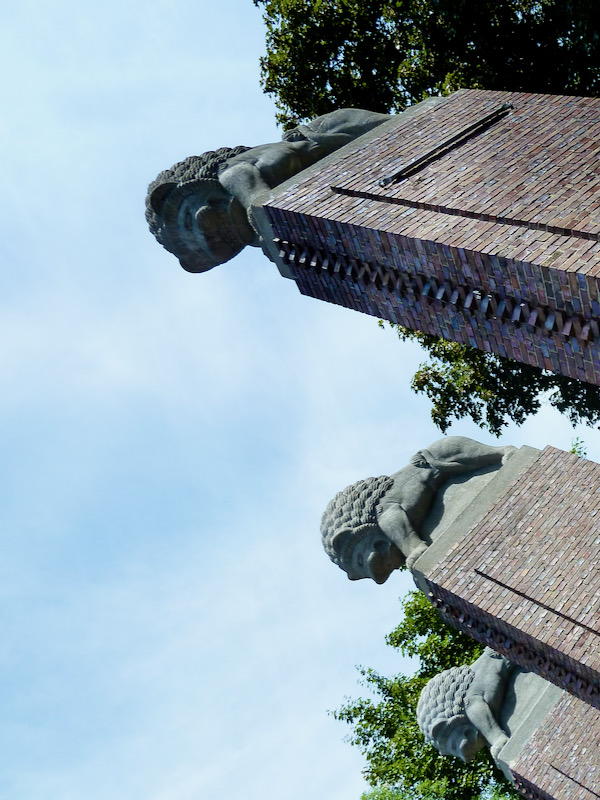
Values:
[(386, 54)]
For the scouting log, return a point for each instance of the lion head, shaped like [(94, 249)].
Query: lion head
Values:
[(441, 714), (351, 517), (189, 211)]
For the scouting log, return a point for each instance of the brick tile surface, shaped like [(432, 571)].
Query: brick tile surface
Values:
[(513, 212), (526, 580), (562, 758)]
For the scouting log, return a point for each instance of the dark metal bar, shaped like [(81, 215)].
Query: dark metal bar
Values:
[(583, 786), (471, 130), (461, 212), (537, 602)]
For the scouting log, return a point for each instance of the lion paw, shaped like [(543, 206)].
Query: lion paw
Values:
[(498, 745), (415, 555), (418, 460), (508, 452)]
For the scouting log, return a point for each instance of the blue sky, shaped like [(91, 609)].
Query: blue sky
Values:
[(171, 628)]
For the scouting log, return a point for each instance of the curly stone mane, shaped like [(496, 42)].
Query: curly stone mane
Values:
[(443, 700), (170, 182), (354, 510)]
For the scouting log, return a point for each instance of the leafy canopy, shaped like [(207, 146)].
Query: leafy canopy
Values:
[(462, 381), (384, 55)]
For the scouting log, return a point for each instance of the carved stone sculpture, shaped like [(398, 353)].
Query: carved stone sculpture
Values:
[(459, 710), (200, 209), (372, 527)]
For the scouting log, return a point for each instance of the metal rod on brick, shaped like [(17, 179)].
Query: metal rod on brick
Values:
[(471, 130)]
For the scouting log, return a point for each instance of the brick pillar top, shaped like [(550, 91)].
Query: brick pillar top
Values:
[(525, 185), (522, 576), (461, 218)]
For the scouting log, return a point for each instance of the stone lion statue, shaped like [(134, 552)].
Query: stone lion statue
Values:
[(371, 528), (200, 209), (458, 710)]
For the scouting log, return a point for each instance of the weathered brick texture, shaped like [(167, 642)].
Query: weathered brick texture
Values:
[(561, 761), (496, 243), (526, 579)]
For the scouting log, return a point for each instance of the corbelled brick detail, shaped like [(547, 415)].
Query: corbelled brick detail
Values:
[(561, 761), (525, 578), (510, 217)]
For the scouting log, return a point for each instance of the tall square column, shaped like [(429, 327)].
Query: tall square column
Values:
[(475, 218)]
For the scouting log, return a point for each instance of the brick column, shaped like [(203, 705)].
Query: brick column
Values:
[(524, 577), (561, 761), (493, 241)]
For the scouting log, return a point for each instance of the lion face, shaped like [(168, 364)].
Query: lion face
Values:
[(373, 556), (459, 738), (205, 225)]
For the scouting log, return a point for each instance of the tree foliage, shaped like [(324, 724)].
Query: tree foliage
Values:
[(462, 381), (384, 55), (400, 764), (578, 447)]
